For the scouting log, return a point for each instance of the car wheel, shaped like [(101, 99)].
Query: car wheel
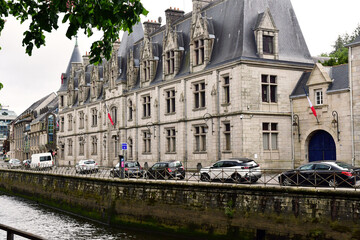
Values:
[(204, 177), (333, 183), (286, 182), (236, 177)]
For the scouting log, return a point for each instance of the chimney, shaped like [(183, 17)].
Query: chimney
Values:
[(172, 14), (199, 4), (86, 59), (151, 26)]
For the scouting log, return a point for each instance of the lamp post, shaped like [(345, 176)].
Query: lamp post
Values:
[(296, 123), (148, 127), (335, 123), (206, 117)]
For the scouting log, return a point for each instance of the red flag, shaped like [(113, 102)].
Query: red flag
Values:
[(108, 113), (311, 106)]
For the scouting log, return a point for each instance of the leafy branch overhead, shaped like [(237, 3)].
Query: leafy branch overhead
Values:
[(108, 16)]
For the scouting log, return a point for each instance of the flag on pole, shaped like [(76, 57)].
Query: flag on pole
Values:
[(108, 113), (311, 106)]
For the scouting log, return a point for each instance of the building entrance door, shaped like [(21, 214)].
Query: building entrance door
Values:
[(322, 147)]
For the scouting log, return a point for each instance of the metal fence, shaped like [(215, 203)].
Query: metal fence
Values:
[(263, 177), (12, 232)]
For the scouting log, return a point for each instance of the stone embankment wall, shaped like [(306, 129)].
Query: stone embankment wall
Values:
[(196, 208)]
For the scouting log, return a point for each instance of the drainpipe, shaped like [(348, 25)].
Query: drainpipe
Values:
[(185, 126), (137, 128), (218, 112), (351, 108), (158, 120), (292, 135)]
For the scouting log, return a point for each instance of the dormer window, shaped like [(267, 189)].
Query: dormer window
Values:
[(170, 62), (146, 66), (199, 51), (268, 44), (267, 36), (319, 97)]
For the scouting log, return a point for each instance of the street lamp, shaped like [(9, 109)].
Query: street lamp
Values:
[(296, 123), (335, 123), (206, 117), (148, 127)]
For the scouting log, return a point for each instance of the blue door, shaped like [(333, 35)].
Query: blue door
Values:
[(322, 147)]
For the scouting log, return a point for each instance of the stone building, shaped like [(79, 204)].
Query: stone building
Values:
[(334, 93), (6, 117), (33, 130), (210, 84)]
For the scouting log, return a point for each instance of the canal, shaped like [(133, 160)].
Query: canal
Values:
[(52, 224)]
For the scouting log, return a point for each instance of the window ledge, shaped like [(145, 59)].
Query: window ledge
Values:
[(226, 151), (199, 109), (225, 104), (146, 153), (170, 152), (169, 114), (270, 103), (149, 117), (199, 152)]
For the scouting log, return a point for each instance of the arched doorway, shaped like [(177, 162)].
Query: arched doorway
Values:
[(322, 147)]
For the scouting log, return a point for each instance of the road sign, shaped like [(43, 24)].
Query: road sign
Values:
[(124, 146)]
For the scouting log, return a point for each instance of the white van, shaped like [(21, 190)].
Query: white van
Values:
[(42, 160)]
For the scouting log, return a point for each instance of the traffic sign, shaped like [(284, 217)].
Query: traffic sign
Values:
[(124, 146)]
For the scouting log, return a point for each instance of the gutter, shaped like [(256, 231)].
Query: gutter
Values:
[(351, 108)]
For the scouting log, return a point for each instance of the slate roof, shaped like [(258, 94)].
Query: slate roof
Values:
[(339, 75), (75, 58), (355, 42), (232, 22)]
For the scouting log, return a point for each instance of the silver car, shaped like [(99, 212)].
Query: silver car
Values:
[(87, 166), (234, 169), (14, 163)]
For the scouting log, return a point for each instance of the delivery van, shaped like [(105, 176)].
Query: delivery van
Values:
[(41, 160)]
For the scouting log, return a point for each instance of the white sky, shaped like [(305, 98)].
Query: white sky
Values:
[(27, 79)]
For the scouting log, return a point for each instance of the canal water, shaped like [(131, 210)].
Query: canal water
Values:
[(51, 224)]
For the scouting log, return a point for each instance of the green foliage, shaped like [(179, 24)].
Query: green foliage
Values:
[(339, 55), (108, 16)]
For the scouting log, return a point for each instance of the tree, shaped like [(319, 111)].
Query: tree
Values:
[(108, 16), (339, 55)]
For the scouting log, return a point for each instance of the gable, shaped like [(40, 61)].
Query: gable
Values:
[(319, 76), (265, 21)]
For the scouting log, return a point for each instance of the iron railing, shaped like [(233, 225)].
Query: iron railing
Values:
[(265, 177), (11, 232)]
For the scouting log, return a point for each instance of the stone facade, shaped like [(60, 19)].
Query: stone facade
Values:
[(199, 89), (30, 130)]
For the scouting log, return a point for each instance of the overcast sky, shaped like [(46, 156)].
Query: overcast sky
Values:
[(28, 79)]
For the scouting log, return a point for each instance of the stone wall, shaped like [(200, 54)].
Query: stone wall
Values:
[(196, 208)]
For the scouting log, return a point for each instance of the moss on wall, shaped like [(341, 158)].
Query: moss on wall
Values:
[(205, 210)]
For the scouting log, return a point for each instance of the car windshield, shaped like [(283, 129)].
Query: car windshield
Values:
[(306, 167), (344, 165), (132, 164), (175, 164), (246, 163), (89, 162)]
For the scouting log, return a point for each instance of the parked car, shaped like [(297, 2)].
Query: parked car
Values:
[(234, 169), (166, 170), (14, 163), (86, 166), (132, 169), (322, 173), (41, 161)]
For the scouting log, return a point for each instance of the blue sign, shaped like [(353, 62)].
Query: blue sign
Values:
[(124, 146)]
